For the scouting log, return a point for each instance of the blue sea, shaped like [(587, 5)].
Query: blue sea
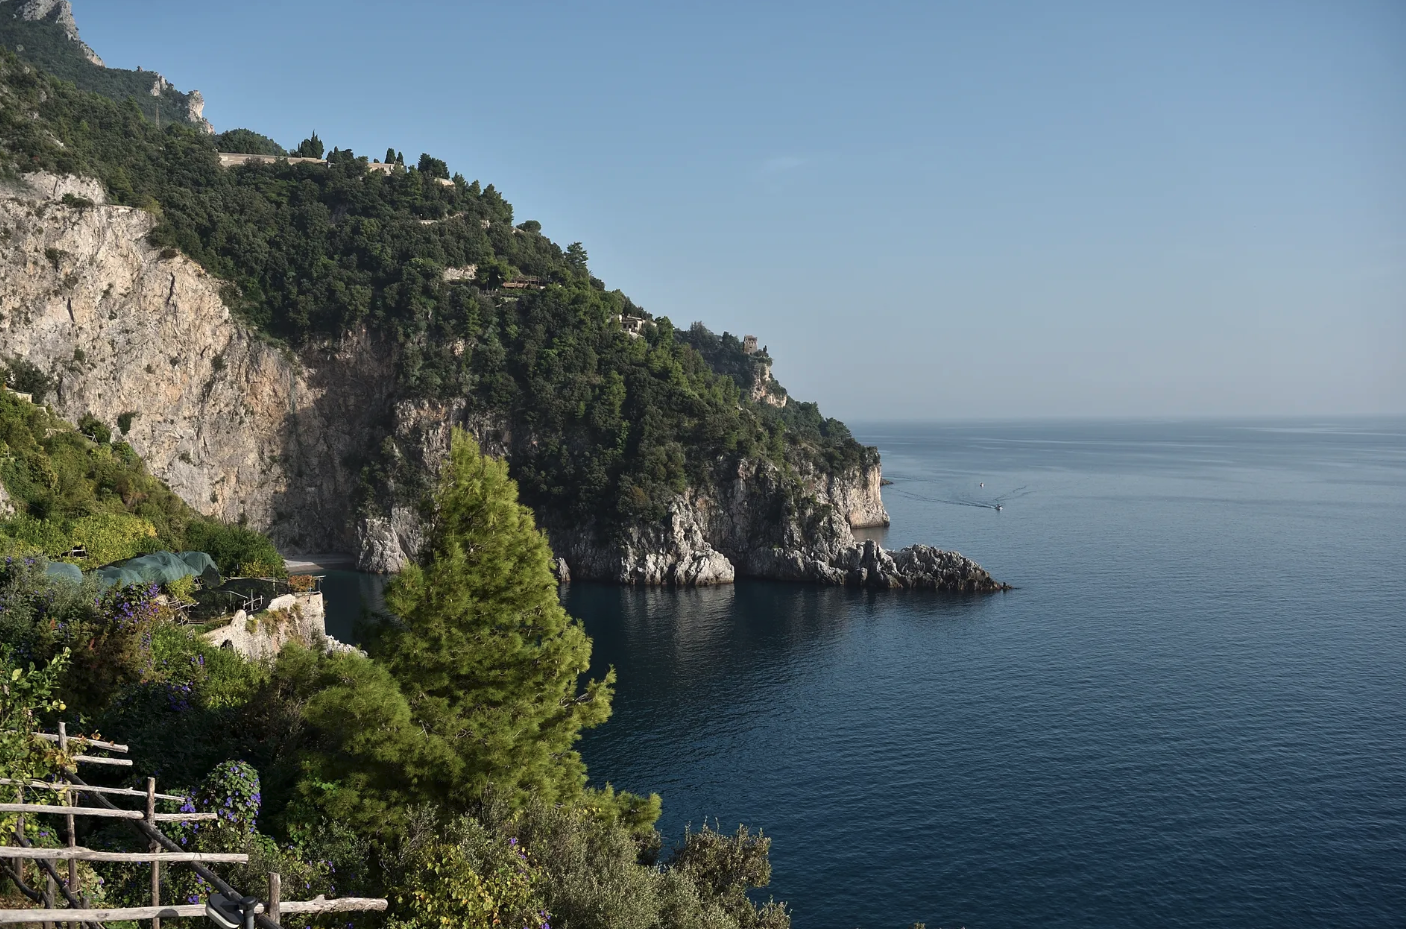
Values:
[(1191, 711)]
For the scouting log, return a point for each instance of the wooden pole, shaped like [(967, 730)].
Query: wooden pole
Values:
[(116, 914), (275, 891), (88, 854), (72, 832), (87, 789), (155, 865), (105, 814), (19, 832)]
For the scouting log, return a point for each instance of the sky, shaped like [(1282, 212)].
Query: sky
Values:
[(928, 210)]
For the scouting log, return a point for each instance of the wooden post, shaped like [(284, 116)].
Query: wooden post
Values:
[(155, 865), (275, 891), (19, 831), (72, 835)]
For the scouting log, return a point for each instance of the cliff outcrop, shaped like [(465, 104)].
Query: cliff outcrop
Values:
[(236, 426), (246, 430)]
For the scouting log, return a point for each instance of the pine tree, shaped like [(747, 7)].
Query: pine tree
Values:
[(489, 660), (390, 156)]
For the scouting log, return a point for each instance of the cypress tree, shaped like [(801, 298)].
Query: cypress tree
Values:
[(488, 659)]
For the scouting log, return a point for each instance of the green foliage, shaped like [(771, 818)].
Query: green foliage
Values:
[(434, 167), (725, 867), (469, 876), (618, 425), (124, 420), (237, 550), (311, 147), (95, 429), (71, 492), (181, 588), (25, 377), (595, 879), (27, 693), (488, 660), (247, 142), (108, 635), (47, 46), (110, 537)]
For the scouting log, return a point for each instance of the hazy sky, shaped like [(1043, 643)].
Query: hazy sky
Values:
[(927, 210)]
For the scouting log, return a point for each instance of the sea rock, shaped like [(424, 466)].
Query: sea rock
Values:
[(561, 571)]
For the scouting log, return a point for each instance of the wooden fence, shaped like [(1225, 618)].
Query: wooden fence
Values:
[(160, 848)]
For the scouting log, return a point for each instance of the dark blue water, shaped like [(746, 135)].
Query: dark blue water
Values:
[(1191, 712)]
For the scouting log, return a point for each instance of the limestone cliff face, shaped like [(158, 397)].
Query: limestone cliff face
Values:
[(244, 430), (236, 426), (752, 524)]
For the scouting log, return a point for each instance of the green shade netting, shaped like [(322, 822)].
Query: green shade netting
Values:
[(203, 565), (64, 570), (160, 568)]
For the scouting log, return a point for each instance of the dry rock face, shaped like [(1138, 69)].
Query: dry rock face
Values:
[(236, 426), (245, 430)]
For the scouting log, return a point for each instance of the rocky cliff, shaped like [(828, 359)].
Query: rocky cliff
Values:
[(236, 426), (245, 430)]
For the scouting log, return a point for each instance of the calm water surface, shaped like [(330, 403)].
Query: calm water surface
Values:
[(1191, 712)]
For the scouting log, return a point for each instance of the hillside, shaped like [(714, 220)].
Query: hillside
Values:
[(644, 463), (86, 497), (43, 32)]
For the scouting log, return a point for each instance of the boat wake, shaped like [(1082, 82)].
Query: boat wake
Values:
[(993, 503)]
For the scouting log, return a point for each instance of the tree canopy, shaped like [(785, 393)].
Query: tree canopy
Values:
[(488, 659)]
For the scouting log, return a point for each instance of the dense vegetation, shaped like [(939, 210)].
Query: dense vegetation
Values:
[(45, 45), (439, 772), (71, 490), (607, 427)]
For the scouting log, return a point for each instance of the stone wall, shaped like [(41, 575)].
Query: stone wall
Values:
[(289, 618)]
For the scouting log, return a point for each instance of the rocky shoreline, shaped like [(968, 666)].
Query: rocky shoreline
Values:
[(245, 432)]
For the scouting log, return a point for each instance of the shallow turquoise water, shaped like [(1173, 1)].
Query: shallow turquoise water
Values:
[(1191, 712)]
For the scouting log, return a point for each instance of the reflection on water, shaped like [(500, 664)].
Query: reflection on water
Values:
[(1180, 718), (879, 534), (350, 598)]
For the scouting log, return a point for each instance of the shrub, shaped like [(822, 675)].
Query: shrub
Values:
[(181, 588), (470, 877), (24, 376), (109, 537), (26, 694), (95, 429), (237, 551), (124, 421)]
